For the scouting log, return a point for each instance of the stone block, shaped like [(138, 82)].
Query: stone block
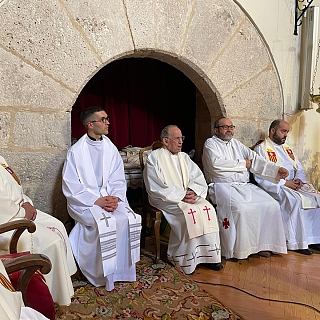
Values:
[(247, 131), (211, 26), (259, 98), (43, 34), (249, 58), (172, 18), (105, 24), (42, 130), (141, 18), (24, 85), (4, 129)]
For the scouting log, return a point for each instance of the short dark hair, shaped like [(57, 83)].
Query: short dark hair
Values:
[(86, 114), (165, 131), (217, 122), (275, 124)]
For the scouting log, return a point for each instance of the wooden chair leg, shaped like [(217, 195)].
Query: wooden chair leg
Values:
[(143, 229), (156, 231)]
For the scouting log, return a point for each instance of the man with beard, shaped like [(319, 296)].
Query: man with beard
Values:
[(249, 219), (298, 200)]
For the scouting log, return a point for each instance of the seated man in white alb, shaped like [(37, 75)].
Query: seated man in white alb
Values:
[(106, 238), (249, 219), (177, 187), (50, 237), (299, 202)]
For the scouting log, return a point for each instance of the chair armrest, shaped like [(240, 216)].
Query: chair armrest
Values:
[(28, 264), (20, 226)]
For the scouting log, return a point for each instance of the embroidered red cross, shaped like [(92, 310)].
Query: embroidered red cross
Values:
[(207, 209), (192, 212), (225, 223)]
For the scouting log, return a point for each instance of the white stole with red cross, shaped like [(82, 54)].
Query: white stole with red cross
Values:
[(201, 216)]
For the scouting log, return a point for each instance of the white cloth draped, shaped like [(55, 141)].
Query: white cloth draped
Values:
[(54, 244), (81, 188), (182, 250), (249, 219), (302, 226)]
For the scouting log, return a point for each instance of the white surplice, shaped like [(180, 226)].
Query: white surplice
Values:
[(249, 219), (106, 252), (54, 244), (302, 226), (167, 197), (11, 303)]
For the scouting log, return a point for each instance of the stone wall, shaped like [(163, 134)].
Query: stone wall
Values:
[(50, 49)]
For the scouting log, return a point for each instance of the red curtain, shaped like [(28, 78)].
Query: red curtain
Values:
[(141, 97)]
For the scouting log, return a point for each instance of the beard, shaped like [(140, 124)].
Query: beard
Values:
[(225, 137), (278, 140)]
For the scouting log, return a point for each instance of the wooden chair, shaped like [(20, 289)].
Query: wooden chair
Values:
[(148, 208), (25, 262)]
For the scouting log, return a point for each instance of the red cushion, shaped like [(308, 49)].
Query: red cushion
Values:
[(38, 294)]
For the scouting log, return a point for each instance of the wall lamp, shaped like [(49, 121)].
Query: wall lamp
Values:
[(301, 7)]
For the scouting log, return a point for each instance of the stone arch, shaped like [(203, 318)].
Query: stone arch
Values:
[(49, 52), (208, 101)]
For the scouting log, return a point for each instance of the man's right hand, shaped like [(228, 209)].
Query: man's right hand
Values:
[(283, 173), (248, 163), (108, 203)]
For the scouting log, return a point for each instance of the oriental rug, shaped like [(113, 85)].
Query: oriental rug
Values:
[(161, 292)]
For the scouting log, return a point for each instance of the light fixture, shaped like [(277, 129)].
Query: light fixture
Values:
[(315, 98), (299, 13)]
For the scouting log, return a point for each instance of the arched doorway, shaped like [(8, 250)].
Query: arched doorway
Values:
[(141, 96)]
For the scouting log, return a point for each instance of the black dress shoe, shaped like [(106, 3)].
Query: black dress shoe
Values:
[(306, 252), (315, 246), (214, 266)]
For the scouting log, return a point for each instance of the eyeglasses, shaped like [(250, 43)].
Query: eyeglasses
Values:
[(103, 119), (225, 127), (177, 138)]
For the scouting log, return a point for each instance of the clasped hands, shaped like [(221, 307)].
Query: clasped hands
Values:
[(190, 197), (294, 184), (108, 203)]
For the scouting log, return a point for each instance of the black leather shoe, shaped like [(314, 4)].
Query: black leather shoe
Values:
[(214, 266), (306, 252), (315, 246)]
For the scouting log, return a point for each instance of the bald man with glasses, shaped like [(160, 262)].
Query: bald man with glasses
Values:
[(106, 237), (249, 219), (177, 187)]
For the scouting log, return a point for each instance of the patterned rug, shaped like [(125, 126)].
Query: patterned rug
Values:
[(160, 292)]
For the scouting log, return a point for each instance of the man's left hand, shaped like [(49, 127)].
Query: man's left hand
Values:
[(298, 183)]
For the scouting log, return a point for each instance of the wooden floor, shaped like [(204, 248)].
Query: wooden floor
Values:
[(292, 277)]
